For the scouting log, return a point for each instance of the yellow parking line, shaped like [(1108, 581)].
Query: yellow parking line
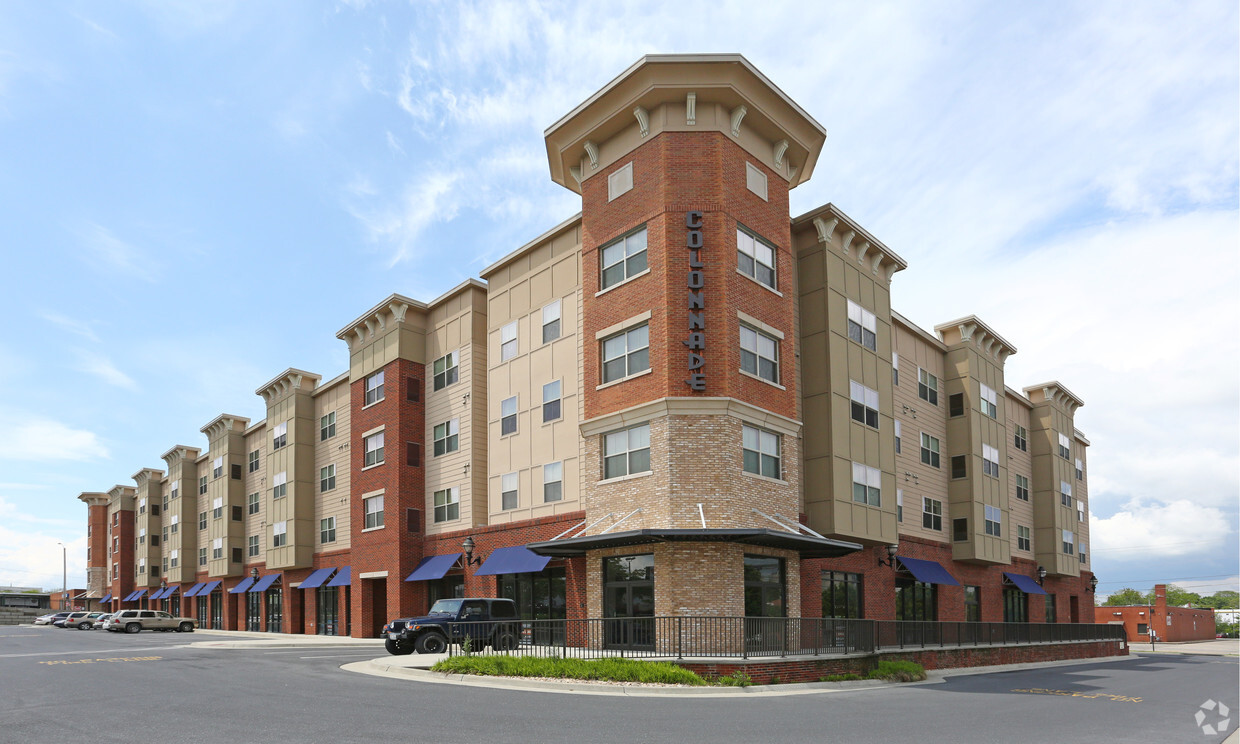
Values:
[(1079, 694), (109, 659)]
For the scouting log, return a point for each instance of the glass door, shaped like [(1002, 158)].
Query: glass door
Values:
[(765, 603), (327, 611), (628, 601), (217, 609), (275, 609), (253, 611)]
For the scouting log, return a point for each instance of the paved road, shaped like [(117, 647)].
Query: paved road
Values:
[(105, 687)]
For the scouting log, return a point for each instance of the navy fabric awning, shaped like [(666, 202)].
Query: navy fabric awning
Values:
[(137, 595), (433, 567), (928, 572), (208, 587), (344, 578), (519, 559), (194, 589), (262, 584), (171, 590), (159, 593), (316, 579), (240, 588), (1024, 583), (128, 596), (106, 599)]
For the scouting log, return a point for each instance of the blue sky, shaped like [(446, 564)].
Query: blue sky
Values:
[(1067, 171)]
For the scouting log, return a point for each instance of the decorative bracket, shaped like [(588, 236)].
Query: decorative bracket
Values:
[(691, 109), (738, 114), (643, 119)]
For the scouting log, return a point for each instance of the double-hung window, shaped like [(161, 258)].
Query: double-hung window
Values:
[(626, 353), (252, 546), (279, 534), (508, 416), (279, 485), (929, 450), (1022, 487), (253, 504), (553, 482), (755, 257), (508, 491), (217, 548), (1021, 438), (374, 388), (327, 530), (867, 484), (989, 402), (253, 463), (994, 520), (1069, 540), (372, 508), (202, 485), (932, 514), (623, 259), (551, 322), (759, 354), (446, 437), (446, 370), (217, 508), (327, 426), (373, 447), (760, 452), (508, 341), (927, 387), (279, 435), (864, 403), (862, 326), (1024, 540), (1080, 469), (447, 505), (1065, 493), (551, 401), (990, 461), (217, 467), (327, 477), (202, 520), (897, 428), (1065, 446), (626, 452)]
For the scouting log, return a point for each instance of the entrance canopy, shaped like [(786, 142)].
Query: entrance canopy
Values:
[(262, 584), (433, 567), (927, 572), (514, 560), (316, 579), (1023, 583), (807, 545)]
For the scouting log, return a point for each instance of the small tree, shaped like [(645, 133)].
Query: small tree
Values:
[(1125, 597)]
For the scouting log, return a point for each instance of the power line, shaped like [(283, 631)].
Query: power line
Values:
[(1195, 579)]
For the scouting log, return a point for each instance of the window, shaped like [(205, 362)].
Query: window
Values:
[(960, 467), (1022, 488), (1080, 469), (374, 388), (217, 508), (445, 369), (1024, 538), (1050, 608), (446, 437), (973, 604), (202, 485), (929, 450), (1015, 605), (202, 556), (279, 534), (373, 510), (508, 341), (327, 427), (1080, 511), (960, 529), (253, 545), (765, 586), (897, 424), (990, 461), (175, 524), (1065, 493), (254, 463), (176, 558), (142, 536), (175, 486), (994, 521), (955, 405), (759, 354), (447, 505), (252, 503), (553, 482), (116, 545), (1021, 438), (1065, 447), (327, 530), (623, 259), (373, 447), (867, 484), (916, 600), (932, 514), (551, 401), (508, 416), (841, 594), (327, 478), (927, 387), (760, 452), (551, 322), (620, 182), (895, 369), (1143, 628), (864, 404), (862, 326), (279, 436), (990, 402), (217, 548), (1083, 557), (508, 491), (142, 506), (755, 257), (236, 555), (626, 353), (626, 451), (1068, 542), (899, 505), (202, 520), (217, 467)]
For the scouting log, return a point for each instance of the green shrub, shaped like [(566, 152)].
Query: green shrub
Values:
[(736, 679), (609, 670), (899, 671), (849, 677)]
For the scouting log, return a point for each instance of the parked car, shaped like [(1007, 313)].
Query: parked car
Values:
[(82, 620), (485, 621), (49, 618), (103, 618), (60, 621), (135, 621)]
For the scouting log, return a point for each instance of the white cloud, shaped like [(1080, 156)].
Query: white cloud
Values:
[(434, 198), (111, 253), (72, 325), (34, 557), (103, 368), (44, 440), (1164, 528)]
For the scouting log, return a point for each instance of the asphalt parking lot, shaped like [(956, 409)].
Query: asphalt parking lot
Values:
[(107, 687)]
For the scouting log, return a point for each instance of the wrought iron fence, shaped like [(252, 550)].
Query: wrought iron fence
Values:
[(748, 637)]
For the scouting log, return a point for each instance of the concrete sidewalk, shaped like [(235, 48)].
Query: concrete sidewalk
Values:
[(247, 639), (1213, 647)]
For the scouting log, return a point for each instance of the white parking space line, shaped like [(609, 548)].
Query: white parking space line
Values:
[(85, 652)]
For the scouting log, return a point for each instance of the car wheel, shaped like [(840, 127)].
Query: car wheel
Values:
[(397, 648), (504, 641), (133, 627), (85, 626), (185, 628), (431, 643)]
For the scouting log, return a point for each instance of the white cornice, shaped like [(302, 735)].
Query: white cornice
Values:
[(1054, 391), (833, 227), (976, 333), (288, 380), (179, 452), (692, 407), (222, 424)]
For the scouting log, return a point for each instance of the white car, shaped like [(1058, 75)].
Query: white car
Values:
[(50, 618)]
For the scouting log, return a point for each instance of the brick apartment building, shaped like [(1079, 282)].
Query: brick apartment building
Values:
[(681, 401)]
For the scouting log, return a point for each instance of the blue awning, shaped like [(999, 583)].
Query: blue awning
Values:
[(927, 571), (246, 583), (344, 578), (159, 593), (194, 589), (433, 567), (171, 590), (128, 596), (519, 559), (1024, 583), (208, 587), (262, 584), (137, 595), (106, 599), (316, 579)]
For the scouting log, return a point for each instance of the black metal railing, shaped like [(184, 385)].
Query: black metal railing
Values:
[(749, 637)]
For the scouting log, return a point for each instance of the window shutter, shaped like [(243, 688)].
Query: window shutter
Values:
[(236, 472)]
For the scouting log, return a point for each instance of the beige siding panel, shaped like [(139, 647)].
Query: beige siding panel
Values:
[(333, 451)]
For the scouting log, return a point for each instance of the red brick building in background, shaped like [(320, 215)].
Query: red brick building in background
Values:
[(1159, 622), (680, 402)]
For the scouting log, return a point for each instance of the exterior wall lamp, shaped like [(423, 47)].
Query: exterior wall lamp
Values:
[(891, 557), (468, 547), (1041, 575), (254, 573), (1093, 584)]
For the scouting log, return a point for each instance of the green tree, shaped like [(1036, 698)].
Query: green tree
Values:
[(1178, 597), (1222, 600), (1124, 597)]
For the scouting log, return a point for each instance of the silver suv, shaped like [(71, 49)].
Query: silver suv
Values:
[(135, 621)]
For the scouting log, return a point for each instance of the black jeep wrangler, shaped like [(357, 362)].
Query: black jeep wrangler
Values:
[(484, 621)]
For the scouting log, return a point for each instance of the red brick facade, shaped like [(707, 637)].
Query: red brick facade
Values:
[(1166, 623)]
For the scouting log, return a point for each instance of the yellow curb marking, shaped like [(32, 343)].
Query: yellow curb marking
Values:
[(1088, 695), (110, 659)]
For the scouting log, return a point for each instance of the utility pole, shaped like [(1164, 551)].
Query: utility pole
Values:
[(64, 576)]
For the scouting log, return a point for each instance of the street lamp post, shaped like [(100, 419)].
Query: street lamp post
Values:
[(64, 576)]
